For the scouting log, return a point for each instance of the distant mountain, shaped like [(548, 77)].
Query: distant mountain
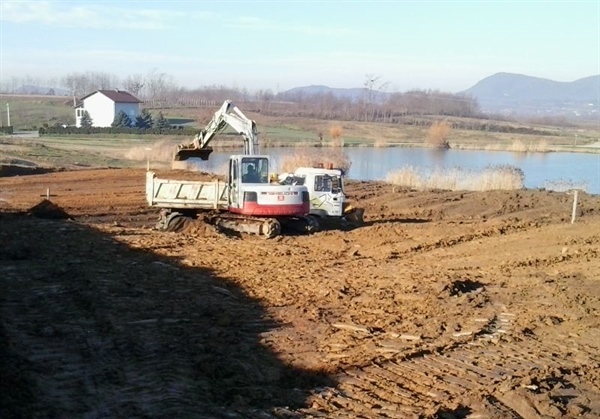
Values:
[(501, 93), (353, 94), (526, 95), (28, 89)]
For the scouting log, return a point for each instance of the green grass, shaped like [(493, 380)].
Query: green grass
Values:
[(103, 149), (32, 112), (49, 154), (180, 121), (83, 150)]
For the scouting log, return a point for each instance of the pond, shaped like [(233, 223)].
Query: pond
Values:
[(542, 170)]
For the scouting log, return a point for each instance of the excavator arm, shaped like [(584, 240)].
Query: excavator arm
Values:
[(228, 115)]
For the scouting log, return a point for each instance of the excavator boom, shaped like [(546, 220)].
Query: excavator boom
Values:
[(227, 115)]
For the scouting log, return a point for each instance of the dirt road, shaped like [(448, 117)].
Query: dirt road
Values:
[(444, 305)]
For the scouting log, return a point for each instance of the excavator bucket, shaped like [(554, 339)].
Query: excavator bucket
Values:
[(355, 215), (189, 153)]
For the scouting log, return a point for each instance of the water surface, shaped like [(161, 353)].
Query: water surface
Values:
[(542, 170)]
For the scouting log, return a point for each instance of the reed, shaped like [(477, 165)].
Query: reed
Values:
[(503, 177), (379, 143), (520, 146), (159, 151), (437, 136), (335, 132), (315, 157), (565, 185)]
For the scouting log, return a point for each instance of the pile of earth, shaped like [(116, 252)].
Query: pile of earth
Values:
[(48, 210)]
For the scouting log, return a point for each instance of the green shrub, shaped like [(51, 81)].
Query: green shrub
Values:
[(70, 130)]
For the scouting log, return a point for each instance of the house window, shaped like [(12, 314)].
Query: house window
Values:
[(79, 113)]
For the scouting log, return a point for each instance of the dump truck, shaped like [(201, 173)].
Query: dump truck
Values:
[(250, 200)]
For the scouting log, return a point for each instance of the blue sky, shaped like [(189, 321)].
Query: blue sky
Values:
[(277, 45)]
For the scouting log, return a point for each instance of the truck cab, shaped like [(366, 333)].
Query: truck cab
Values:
[(326, 189)]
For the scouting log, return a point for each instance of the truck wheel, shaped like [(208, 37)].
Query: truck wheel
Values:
[(177, 223)]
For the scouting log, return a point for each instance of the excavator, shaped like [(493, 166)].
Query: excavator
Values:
[(251, 200), (227, 115), (247, 202)]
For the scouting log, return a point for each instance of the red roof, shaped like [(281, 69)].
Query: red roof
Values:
[(118, 96)]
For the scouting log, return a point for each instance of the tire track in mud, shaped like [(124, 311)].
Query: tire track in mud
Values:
[(586, 250), (489, 375), (396, 239), (447, 242)]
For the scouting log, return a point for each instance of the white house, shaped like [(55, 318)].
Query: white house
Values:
[(104, 105)]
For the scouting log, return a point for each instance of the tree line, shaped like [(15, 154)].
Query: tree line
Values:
[(374, 104), (160, 90)]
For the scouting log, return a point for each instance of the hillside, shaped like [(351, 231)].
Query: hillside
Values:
[(501, 93), (520, 94)]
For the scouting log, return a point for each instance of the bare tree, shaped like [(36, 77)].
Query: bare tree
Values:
[(134, 84), (159, 85), (101, 81), (76, 83), (373, 89)]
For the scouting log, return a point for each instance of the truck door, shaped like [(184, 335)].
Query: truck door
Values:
[(328, 198)]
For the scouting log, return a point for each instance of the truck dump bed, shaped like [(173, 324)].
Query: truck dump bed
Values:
[(168, 193)]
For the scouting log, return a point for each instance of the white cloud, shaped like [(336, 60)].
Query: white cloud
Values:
[(120, 56), (99, 58), (88, 16), (258, 24)]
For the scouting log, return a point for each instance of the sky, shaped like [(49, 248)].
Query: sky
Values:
[(278, 45)]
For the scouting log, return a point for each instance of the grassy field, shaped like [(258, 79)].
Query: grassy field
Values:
[(29, 112)]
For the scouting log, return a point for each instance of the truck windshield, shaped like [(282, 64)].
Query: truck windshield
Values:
[(327, 183), (336, 184)]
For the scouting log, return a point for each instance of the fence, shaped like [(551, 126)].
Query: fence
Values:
[(179, 103)]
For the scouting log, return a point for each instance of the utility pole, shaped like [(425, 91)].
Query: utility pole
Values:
[(8, 114)]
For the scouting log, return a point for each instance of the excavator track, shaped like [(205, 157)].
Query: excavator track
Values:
[(174, 221), (266, 227)]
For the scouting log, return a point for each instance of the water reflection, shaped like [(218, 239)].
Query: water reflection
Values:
[(438, 156), (541, 169)]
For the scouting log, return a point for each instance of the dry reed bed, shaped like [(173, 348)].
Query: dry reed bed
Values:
[(503, 177), (333, 156)]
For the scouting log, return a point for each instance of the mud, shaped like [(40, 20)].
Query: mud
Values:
[(443, 305)]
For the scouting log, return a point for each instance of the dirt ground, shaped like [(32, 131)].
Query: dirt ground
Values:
[(443, 305)]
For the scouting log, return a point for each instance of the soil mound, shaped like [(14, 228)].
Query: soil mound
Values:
[(49, 210), (20, 170), (200, 228)]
